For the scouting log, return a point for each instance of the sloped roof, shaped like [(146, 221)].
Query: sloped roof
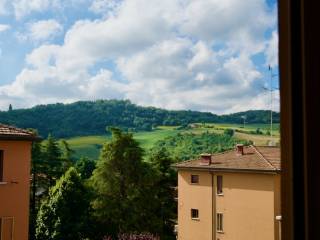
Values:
[(258, 159), (14, 133)]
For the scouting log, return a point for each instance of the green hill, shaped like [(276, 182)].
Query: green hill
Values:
[(86, 118)]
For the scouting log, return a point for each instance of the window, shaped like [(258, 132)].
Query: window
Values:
[(1, 166), (194, 213), (219, 222), (219, 185), (194, 178)]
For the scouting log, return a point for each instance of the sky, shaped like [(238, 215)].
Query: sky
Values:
[(205, 55)]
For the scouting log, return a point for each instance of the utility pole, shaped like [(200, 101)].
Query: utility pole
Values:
[(271, 99), (244, 117)]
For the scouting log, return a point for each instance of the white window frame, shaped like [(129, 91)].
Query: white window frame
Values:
[(219, 221), (194, 218)]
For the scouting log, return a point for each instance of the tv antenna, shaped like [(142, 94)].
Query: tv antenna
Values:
[(271, 89), (244, 117)]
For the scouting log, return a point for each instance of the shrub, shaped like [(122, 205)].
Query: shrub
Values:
[(258, 131), (229, 132)]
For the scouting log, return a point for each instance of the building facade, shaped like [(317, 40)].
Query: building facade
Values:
[(230, 196), (15, 158)]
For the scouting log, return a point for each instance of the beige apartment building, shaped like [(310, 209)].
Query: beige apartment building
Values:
[(233, 195), (15, 157)]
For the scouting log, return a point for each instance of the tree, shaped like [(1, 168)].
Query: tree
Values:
[(229, 132), (64, 214), (165, 182), (258, 131), (36, 169), (10, 107), (85, 167), (120, 185), (52, 155), (66, 155)]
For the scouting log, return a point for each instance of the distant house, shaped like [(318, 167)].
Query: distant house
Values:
[(233, 195), (15, 158)]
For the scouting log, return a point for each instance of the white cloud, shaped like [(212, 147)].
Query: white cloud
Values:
[(44, 30), (260, 101), (102, 84), (4, 27), (161, 76), (172, 54), (238, 24), (105, 7), (25, 7)]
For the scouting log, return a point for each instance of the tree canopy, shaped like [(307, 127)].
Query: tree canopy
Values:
[(64, 213), (186, 146), (118, 181)]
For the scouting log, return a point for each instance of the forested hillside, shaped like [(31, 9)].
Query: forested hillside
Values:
[(92, 117), (189, 145)]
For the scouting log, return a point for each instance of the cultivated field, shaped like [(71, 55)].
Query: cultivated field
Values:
[(90, 146)]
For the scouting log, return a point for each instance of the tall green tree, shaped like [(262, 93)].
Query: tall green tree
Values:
[(36, 169), (53, 159), (120, 184), (64, 214), (165, 181), (66, 155)]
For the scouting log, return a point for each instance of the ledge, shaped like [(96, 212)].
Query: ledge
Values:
[(3, 183)]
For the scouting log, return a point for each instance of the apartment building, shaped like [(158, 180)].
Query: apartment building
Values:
[(233, 195), (15, 157)]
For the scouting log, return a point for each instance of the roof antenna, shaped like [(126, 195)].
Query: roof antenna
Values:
[(271, 89)]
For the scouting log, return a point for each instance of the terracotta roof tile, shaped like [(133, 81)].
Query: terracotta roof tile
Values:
[(254, 159), (10, 132)]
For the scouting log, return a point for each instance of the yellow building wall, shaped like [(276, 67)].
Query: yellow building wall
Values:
[(277, 205), (198, 196), (14, 196), (249, 205)]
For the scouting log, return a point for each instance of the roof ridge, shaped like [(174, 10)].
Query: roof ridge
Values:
[(185, 161), (17, 129), (263, 157), (220, 153), (212, 154)]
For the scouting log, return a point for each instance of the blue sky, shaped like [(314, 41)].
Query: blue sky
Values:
[(207, 55)]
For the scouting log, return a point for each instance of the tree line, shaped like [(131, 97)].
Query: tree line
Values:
[(185, 146), (91, 117)]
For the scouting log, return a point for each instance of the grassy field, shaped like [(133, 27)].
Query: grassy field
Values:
[(249, 127), (148, 139), (90, 146)]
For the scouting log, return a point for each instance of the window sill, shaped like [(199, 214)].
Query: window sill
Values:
[(221, 232), (195, 219), (3, 183), (220, 194), (194, 183)]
